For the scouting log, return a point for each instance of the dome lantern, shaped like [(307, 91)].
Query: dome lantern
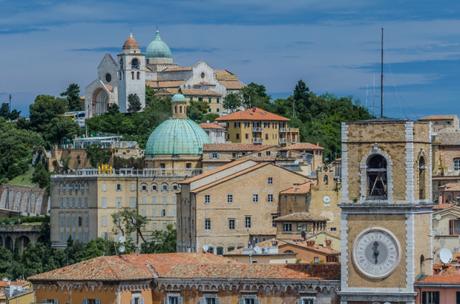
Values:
[(179, 106), (130, 43), (158, 48)]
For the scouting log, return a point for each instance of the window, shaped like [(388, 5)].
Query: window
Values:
[(249, 300), (220, 250), (144, 187), (80, 221), (138, 75), (430, 297), (456, 163), (154, 187), (255, 198), (132, 75), (421, 178), (132, 202), (246, 136), (207, 224), (164, 187), (454, 227), (51, 301), (287, 227), (231, 224), (104, 202), (136, 298), (211, 299), (207, 199), (214, 155), (266, 136), (132, 187), (118, 202), (307, 300), (270, 198), (237, 136), (202, 74), (377, 177), (135, 63), (173, 299), (247, 221), (104, 221), (316, 260), (175, 187), (118, 187), (163, 212), (274, 216), (458, 297), (188, 165), (270, 180), (104, 187), (229, 198)]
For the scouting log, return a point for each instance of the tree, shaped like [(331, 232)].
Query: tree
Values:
[(162, 241), (41, 176), (127, 222), (255, 95), (134, 103), (7, 114), (61, 128), (113, 109), (197, 110), (232, 102), (72, 94), (43, 110), (98, 156)]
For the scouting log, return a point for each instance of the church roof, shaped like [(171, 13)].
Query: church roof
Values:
[(158, 48), (130, 43), (252, 114)]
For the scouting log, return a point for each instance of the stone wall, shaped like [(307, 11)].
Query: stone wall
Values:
[(27, 200)]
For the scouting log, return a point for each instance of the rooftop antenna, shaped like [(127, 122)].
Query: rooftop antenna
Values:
[(9, 103), (381, 75)]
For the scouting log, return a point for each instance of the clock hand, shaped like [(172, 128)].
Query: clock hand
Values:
[(375, 251)]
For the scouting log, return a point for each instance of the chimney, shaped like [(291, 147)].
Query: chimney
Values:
[(328, 243)]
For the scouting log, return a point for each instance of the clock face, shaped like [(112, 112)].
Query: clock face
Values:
[(376, 252), (326, 199)]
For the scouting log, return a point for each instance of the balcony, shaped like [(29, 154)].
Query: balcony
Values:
[(283, 130), (151, 172), (257, 129), (283, 140), (257, 140)]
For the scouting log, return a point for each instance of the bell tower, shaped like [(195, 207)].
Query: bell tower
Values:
[(386, 208), (131, 74)]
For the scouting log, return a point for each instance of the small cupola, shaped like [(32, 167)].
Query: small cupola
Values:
[(179, 106)]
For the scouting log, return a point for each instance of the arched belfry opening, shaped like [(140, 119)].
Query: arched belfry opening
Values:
[(421, 178), (377, 177)]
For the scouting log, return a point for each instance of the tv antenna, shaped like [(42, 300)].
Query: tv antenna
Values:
[(381, 74)]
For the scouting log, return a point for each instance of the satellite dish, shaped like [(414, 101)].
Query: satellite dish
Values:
[(205, 248), (121, 249), (121, 239), (437, 217), (445, 255), (257, 249)]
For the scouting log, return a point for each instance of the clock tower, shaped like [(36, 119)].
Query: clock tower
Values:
[(385, 223)]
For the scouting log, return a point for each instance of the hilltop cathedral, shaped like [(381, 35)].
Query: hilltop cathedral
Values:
[(134, 70)]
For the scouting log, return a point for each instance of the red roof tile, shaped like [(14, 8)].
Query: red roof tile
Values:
[(298, 189), (235, 147), (210, 125), (252, 114), (302, 146)]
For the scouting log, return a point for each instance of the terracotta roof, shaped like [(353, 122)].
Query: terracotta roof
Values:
[(176, 68), (198, 92), (210, 125), (222, 75), (130, 43), (298, 189), (127, 267), (438, 117), (232, 84), (304, 245), (213, 171), (302, 146), (442, 206), (235, 147), (164, 83), (450, 277), (252, 114), (300, 217)]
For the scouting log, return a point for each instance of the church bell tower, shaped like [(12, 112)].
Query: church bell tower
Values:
[(386, 210), (131, 74)]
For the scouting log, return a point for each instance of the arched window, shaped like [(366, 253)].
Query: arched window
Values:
[(138, 75), (164, 187), (377, 180), (132, 75), (326, 179), (135, 64), (154, 187), (421, 178)]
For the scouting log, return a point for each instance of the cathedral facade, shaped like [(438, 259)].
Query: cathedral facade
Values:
[(125, 78)]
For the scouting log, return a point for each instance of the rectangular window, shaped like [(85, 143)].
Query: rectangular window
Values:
[(231, 224), (104, 221), (132, 202), (133, 187), (458, 297), (255, 198), (210, 299), (214, 155), (173, 299), (270, 198), (287, 227), (207, 199), (456, 164), (430, 297), (237, 136), (229, 198), (270, 180), (274, 216), (247, 221), (307, 300), (118, 187), (104, 187), (250, 300), (104, 202), (207, 224), (454, 227)]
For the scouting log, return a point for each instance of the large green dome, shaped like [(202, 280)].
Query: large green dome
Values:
[(175, 137), (157, 48)]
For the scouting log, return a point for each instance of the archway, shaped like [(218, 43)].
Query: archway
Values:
[(9, 243), (100, 101), (1, 241), (21, 243)]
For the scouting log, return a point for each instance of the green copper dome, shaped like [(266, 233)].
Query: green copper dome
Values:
[(157, 48), (176, 137), (178, 98)]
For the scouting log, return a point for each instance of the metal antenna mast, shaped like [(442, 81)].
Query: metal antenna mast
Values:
[(381, 76)]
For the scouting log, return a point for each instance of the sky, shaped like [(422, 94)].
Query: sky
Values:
[(333, 45)]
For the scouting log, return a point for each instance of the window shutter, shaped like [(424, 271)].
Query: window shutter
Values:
[(256, 300), (97, 301), (85, 301), (451, 227), (141, 300), (241, 300), (180, 299)]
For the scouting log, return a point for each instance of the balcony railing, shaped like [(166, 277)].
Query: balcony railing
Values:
[(283, 130), (257, 140), (283, 140), (257, 129), (151, 172)]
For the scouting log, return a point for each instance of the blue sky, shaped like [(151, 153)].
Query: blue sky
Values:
[(333, 45)]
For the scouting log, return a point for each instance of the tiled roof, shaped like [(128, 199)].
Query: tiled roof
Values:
[(442, 206), (232, 84), (170, 265), (127, 267), (235, 147), (222, 75), (213, 171), (300, 217), (298, 188), (302, 146), (304, 245), (449, 277), (198, 92), (438, 117), (454, 187), (176, 68), (252, 114), (210, 125)]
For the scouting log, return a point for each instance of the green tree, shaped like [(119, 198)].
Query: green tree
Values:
[(197, 110), (134, 103), (7, 114), (61, 128), (41, 176), (97, 155), (162, 241), (232, 102), (255, 95), (6, 263), (72, 94), (113, 109), (127, 222), (43, 110)]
